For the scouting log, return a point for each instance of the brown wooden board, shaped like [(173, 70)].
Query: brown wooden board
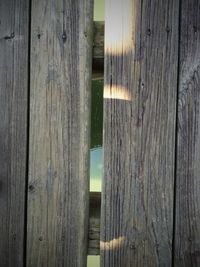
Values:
[(58, 197), (14, 21), (187, 231), (141, 58)]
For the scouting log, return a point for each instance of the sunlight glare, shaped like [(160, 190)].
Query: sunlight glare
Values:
[(113, 244), (118, 34), (117, 92)]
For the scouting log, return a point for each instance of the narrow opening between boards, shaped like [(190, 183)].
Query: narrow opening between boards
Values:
[(96, 148)]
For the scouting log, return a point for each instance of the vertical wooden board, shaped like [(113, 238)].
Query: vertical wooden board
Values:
[(187, 231), (141, 53), (13, 128), (61, 46)]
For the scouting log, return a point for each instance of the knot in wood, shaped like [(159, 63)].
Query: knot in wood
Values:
[(31, 187), (64, 36), (148, 32), (195, 28), (9, 37), (168, 30)]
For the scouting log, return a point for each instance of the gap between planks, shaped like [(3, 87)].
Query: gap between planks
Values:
[(94, 224), (95, 197)]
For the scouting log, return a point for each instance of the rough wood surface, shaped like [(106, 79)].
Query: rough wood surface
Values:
[(139, 132), (187, 231), (58, 197), (13, 128)]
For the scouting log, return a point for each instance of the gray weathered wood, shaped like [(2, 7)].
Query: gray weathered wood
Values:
[(139, 132), (187, 231), (61, 59), (13, 128)]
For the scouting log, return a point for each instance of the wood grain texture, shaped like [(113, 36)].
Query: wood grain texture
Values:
[(187, 231), (13, 128), (58, 197), (139, 132)]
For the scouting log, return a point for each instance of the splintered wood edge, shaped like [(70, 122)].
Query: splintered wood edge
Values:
[(94, 224)]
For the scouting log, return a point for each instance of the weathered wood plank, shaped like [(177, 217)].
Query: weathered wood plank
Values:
[(14, 23), (58, 197), (141, 54), (187, 231)]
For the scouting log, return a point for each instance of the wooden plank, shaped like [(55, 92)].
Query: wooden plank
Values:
[(141, 54), (58, 197), (13, 128), (187, 234), (94, 224)]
